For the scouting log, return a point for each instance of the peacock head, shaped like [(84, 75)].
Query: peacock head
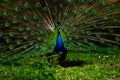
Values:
[(58, 22)]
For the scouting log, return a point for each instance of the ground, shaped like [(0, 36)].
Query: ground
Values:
[(78, 66), (82, 66)]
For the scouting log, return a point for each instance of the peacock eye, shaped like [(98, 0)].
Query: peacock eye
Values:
[(6, 13), (111, 5), (27, 5), (38, 25), (74, 12), (11, 47), (15, 21), (82, 31), (1, 34), (25, 46), (66, 24), (93, 12), (81, 1), (85, 40), (100, 3), (38, 38), (65, 15), (19, 42), (76, 23), (28, 28), (11, 34), (54, 1), (45, 9), (21, 29), (31, 42), (69, 2), (7, 24), (103, 17), (7, 1), (97, 35), (110, 30), (89, 1), (33, 33), (18, 9), (61, 6), (84, 22), (8, 40), (84, 11), (38, 5), (40, 32), (36, 17), (37, 46), (88, 33), (54, 14), (25, 37), (117, 39), (102, 41), (113, 19), (26, 17)]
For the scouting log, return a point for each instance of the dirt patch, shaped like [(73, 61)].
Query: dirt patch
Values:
[(116, 79), (118, 64)]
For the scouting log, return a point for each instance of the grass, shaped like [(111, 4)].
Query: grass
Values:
[(78, 66), (82, 66)]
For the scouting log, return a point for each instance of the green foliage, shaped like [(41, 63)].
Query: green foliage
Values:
[(82, 66), (27, 68), (78, 66)]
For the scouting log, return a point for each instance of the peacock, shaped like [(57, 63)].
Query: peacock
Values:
[(28, 26)]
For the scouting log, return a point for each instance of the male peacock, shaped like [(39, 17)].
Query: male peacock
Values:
[(88, 25)]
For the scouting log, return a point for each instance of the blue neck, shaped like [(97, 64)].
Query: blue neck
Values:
[(58, 27)]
